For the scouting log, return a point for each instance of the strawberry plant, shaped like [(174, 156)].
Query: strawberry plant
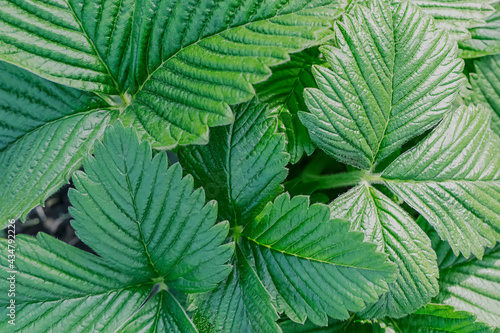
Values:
[(333, 166)]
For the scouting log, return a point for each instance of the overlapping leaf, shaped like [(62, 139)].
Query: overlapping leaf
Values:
[(395, 233), (486, 85), (312, 265), (441, 318), (149, 228), (239, 304), (485, 39), (180, 64), (45, 131), (284, 91), (456, 16), (59, 287), (243, 165), (473, 286), (452, 178), (385, 85)]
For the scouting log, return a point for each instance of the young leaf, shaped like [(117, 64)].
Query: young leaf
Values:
[(149, 228), (385, 85), (179, 64), (284, 91), (474, 286), (441, 318), (243, 166), (395, 233), (312, 265), (485, 39), (239, 304), (452, 178), (486, 85), (45, 131)]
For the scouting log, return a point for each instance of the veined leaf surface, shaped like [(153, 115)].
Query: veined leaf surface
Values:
[(397, 234), (46, 130), (243, 166), (152, 231), (485, 39), (312, 265), (452, 178), (486, 86), (179, 64), (385, 85)]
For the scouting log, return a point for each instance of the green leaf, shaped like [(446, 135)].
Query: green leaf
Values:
[(239, 304), (441, 318), (395, 233), (143, 216), (59, 288), (485, 39), (312, 265), (67, 41), (486, 86), (152, 232), (372, 100), (334, 326), (452, 178), (177, 64), (45, 132), (284, 90), (473, 286), (456, 16), (243, 166)]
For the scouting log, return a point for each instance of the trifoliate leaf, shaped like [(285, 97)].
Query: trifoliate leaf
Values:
[(473, 286), (441, 318), (285, 90), (243, 166), (452, 178), (239, 304), (485, 39), (395, 233), (312, 265), (385, 85), (45, 132), (486, 86), (152, 233), (178, 64)]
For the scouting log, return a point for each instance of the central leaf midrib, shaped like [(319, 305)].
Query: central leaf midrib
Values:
[(306, 258), (201, 39), (60, 119), (91, 42)]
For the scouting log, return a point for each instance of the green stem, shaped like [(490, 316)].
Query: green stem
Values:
[(338, 180)]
